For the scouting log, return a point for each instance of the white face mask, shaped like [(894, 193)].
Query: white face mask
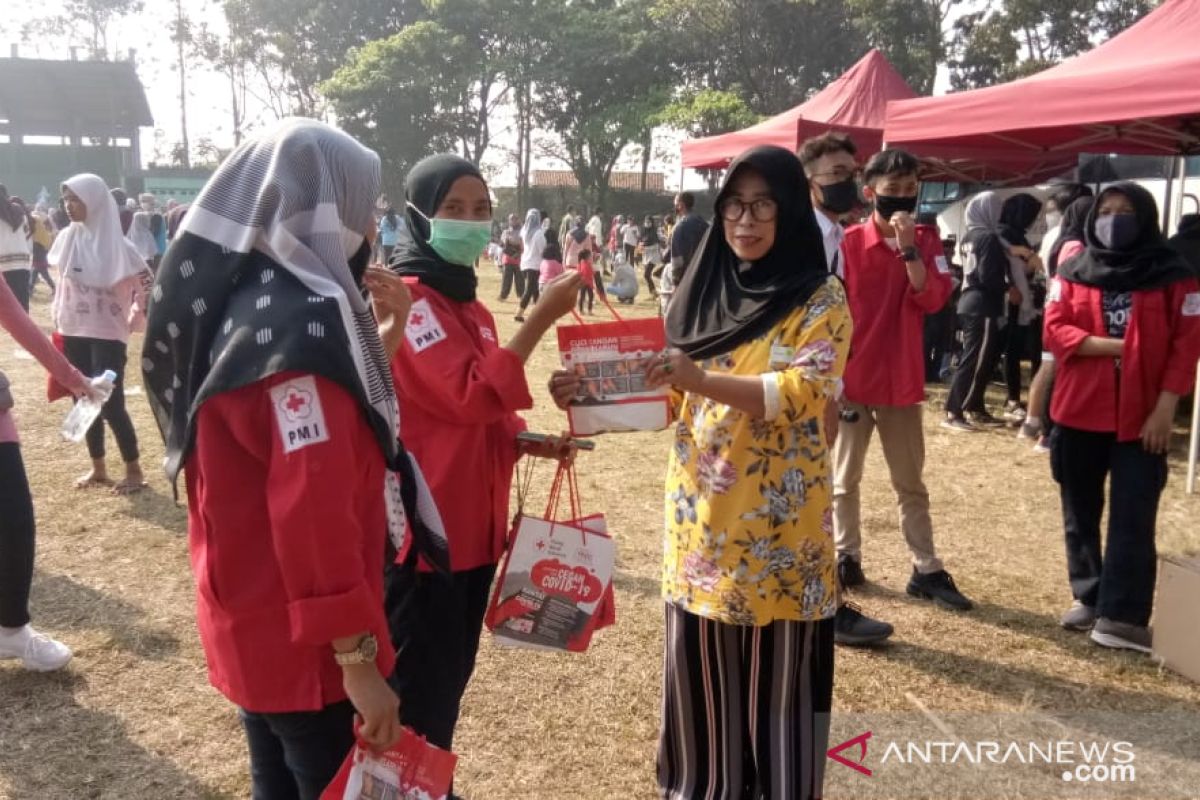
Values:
[(1053, 219)]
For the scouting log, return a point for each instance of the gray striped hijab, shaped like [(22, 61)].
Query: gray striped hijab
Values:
[(262, 278)]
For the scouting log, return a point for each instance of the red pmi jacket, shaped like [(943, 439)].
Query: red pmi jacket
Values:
[(1162, 344), (887, 365), (459, 393), (286, 526)]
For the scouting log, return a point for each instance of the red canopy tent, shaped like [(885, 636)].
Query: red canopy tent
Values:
[(1137, 93), (853, 104)]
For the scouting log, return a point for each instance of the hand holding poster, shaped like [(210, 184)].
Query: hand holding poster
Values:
[(613, 396)]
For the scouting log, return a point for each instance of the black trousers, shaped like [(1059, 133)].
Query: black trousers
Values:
[(586, 292), (1021, 343), (16, 538), (939, 339), (531, 291), (435, 623), (976, 363), (18, 281), (513, 278), (92, 357), (1118, 581), (294, 756), (648, 272)]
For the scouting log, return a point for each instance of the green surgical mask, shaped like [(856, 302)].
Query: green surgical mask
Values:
[(459, 241)]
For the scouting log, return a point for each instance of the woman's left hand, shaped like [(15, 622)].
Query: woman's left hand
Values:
[(390, 297), (673, 367)]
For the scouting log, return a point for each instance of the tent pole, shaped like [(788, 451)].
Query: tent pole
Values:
[(1194, 445)]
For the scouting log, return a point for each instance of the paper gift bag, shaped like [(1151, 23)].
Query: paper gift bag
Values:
[(412, 769), (555, 585)]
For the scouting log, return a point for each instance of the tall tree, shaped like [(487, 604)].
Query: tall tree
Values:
[(911, 33), (1020, 37), (297, 44), (707, 112), (404, 95), (182, 37), (595, 97), (90, 20), (771, 53)]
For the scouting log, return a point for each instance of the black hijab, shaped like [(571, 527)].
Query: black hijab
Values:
[(1148, 263), (427, 186), (1017, 216), (1073, 222), (263, 277), (718, 306)]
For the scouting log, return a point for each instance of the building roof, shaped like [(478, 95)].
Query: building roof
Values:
[(631, 181), (40, 97)]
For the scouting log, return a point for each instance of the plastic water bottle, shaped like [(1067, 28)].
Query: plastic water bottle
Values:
[(85, 410)]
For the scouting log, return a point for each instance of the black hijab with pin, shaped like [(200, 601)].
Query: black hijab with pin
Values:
[(722, 303)]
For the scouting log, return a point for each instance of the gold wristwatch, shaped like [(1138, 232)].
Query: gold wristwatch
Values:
[(368, 648)]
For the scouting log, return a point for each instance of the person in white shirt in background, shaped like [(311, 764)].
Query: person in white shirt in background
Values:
[(831, 168), (1034, 427), (533, 235)]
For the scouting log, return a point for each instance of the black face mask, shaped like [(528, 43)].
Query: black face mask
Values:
[(839, 197), (887, 205)]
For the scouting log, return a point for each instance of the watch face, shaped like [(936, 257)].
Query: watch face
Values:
[(369, 648)]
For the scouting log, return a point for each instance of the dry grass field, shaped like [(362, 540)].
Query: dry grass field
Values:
[(134, 717)]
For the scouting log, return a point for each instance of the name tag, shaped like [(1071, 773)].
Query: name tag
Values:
[(942, 265), (1191, 304), (781, 356)]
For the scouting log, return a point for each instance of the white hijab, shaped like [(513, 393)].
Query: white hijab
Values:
[(94, 252), (141, 236)]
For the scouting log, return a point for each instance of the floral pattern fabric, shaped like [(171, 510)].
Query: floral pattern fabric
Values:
[(749, 536)]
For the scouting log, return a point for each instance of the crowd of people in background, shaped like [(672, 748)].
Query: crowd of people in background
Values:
[(320, 365)]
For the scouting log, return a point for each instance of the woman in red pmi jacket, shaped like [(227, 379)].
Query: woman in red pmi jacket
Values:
[(270, 384), (1123, 322), (459, 391)]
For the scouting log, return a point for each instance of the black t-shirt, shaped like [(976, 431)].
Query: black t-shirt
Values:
[(685, 239), (987, 285), (1117, 308)]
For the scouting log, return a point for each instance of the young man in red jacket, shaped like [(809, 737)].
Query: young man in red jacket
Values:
[(895, 274)]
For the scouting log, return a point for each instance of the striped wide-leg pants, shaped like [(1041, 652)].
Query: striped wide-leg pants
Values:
[(745, 709)]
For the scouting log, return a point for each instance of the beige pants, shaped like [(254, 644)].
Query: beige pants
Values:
[(903, 439)]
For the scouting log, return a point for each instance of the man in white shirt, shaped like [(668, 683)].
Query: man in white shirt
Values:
[(830, 165)]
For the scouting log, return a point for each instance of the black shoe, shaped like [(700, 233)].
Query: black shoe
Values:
[(853, 628), (938, 587), (850, 572), (983, 419)]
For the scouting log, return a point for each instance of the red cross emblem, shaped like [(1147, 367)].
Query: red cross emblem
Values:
[(417, 319), (296, 404)]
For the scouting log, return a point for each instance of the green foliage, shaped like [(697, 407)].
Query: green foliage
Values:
[(1021, 37), (297, 44), (403, 95), (707, 112), (909, 32), (772, 53)]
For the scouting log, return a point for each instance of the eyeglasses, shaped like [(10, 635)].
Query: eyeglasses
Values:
[(762, 210)]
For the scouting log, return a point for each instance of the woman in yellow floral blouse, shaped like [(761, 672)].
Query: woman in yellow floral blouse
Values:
[(759, 334)]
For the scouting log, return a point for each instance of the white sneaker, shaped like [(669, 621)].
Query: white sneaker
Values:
[(37, 651)]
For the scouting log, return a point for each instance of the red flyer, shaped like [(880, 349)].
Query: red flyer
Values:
[(613, 396)]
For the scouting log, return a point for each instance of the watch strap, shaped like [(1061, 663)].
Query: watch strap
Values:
[(910, 253)]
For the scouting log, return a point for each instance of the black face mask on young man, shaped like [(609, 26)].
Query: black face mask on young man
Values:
[(887, 205), (840, 197)]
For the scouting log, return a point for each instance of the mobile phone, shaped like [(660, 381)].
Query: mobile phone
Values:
[(538, 438)]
